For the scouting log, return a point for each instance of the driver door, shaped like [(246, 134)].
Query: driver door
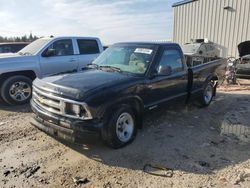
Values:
[(62, 61), (165, 87)]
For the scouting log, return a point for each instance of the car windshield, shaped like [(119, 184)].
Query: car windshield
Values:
[(126, 58), (34, 47), (190, 48)]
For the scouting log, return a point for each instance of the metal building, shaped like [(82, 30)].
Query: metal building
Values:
[(224, 22)]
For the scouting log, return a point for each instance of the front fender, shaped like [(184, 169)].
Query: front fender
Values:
[(134, 101), (15, 64)]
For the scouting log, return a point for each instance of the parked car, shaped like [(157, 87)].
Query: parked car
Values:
[(12, 47), (243, 65), (41, 58), (113, 93)]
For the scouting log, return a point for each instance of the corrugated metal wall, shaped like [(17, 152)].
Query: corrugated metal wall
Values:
[(208, 19)]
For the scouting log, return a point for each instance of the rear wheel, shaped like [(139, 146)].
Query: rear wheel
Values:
[(17, 90), (234, 80), (207, 94), (121, 129)]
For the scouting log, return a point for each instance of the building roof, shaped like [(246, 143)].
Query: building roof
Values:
[(148, 43), (183, 2)]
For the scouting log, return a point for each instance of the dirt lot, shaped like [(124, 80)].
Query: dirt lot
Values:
[(207, 147)]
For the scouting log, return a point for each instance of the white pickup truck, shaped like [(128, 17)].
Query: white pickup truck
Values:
[(43, 57)]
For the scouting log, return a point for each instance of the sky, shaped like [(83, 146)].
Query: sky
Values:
[(110, 20)]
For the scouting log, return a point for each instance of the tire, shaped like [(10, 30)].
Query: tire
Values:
[(1, 99), (234, 80), (207, 94), (17, 90), (117, 136)]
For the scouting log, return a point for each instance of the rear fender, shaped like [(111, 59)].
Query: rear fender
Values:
[(214, 79)]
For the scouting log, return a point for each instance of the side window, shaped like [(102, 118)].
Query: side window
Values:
[(17, 47), (171, 59), (88, 46), (209, 47), (203, 48), (6, 49), (62, 47)]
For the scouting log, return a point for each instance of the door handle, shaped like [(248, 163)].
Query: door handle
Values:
[(150, 86)]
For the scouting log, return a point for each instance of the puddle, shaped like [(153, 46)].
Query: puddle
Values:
[(237, 123)]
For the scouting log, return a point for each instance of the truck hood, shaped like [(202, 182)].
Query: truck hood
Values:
[(6, 55), (13, 57), (79, 86), (244, 48)]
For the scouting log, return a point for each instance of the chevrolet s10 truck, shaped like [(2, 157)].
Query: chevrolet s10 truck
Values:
[(111, 95), (43, 57)]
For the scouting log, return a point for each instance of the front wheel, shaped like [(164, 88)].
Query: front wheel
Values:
[(17, 90), (207, 94), (121, 129)]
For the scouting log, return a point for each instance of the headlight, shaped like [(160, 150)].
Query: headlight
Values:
[(78, 110)]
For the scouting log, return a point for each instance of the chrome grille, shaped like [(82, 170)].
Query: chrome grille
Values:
[(54, 104)]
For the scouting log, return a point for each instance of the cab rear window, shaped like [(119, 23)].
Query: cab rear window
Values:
[(88, 46)]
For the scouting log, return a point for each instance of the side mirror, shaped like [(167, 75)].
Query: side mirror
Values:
[(49, 53), (164, 70)]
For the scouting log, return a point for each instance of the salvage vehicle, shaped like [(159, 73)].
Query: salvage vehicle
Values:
[(12, 47), (243, 65), (111, 95), (200, 51), (43, 57)]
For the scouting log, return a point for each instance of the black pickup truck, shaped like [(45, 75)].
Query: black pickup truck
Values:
[(111, 95)]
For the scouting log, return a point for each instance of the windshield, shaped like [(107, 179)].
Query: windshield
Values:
[(127, 58), (190, 48), (34, 47)]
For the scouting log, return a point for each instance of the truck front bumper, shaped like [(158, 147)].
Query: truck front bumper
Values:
[(61, 127)]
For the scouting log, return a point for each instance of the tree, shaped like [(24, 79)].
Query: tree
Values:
[(23, 38), (30, 37)]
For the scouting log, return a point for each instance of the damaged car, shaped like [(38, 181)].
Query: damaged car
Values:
[(111, 95), (243, 67)]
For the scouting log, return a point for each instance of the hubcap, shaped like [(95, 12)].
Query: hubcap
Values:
[(20, 91), (208, 94), (124, 127)]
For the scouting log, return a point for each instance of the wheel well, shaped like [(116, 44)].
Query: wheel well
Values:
[(212, 78), (135, 104), (137, 107), (29, 73)]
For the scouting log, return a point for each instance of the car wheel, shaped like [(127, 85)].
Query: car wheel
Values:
[(1, 100), (17, 90), (207, 94), (121, 129), (234, 80)]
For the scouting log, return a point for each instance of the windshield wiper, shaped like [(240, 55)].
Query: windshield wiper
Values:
[(112, 68), (91, 66)]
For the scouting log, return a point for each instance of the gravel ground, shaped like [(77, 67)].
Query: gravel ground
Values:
[(199, 147)]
